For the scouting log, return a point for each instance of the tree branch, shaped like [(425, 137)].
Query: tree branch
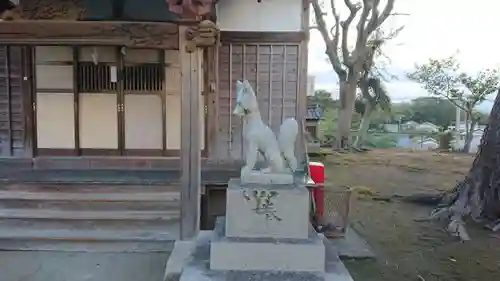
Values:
[(365, 91), (368, 5), (385, 14), (399, 14), (455, 103), (334, 11), (375, 13), (365, 29), (331, 43), (353, 9)]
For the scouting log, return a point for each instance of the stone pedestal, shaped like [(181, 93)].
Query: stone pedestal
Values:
[(267, 211), (267, 254), (266, 235)]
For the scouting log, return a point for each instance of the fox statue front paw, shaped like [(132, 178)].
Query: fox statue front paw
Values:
[(266, 170), (246, 170)]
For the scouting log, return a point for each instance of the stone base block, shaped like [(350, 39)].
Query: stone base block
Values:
[(202, 274), (197, 268), (268, 211), (254, 254)]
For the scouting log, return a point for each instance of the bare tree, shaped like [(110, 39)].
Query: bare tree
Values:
[(348, 63), (371, 83)]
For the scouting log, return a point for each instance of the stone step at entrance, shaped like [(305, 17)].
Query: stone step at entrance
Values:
[(89, 217)]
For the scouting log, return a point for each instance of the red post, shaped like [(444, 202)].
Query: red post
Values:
[(317, 171)]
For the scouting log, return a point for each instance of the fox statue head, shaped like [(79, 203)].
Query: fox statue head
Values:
[(246, 101)]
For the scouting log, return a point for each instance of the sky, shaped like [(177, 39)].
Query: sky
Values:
[(433, 29)]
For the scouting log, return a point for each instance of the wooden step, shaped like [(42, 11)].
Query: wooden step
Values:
[(43, 224), (85, 235), (89, 215), (91, 246), (81, 205), (85, 240), (88, 188), (87, 196)]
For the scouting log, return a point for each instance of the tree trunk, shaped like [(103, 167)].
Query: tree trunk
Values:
[(364, 125), (347, 95), (468, 139), (469, 129), (478, 195)]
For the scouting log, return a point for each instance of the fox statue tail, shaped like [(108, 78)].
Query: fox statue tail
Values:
[(286, 140)]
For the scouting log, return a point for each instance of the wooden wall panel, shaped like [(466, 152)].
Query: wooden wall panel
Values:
[(13, 124), (272, 70)]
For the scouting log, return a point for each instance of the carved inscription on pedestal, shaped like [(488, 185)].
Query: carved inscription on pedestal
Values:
[(264, 203)]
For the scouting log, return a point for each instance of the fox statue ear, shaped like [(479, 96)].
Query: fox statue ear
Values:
[(249, 87), (239, 86)]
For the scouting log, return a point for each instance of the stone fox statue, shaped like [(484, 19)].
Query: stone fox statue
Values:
[(278, 152)]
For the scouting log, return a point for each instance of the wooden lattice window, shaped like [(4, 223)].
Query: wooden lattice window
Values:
[(95, 78), (99, 78), (147, 77)]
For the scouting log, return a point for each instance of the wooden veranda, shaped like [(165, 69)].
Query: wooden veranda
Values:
[(275, 63)]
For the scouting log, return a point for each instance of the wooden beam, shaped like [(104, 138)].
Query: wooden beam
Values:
[(211, 86), (8, 151), (92, 33), (302, 79), (76, 100), (28, 92), (163, 98), (262, 37), (190, 139)]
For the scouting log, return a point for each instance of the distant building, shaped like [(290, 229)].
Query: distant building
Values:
[(459, 137), (409, 126), (462, 127), (314, 115), (311, 80), (427, 127), (391, 128)]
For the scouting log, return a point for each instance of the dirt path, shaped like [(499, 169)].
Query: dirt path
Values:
[(409, 250)]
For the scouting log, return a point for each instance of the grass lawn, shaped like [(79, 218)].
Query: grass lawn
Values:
[(405, 249)]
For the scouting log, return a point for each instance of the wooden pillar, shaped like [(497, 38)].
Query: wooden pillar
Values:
[(302, 79), (190, 138)]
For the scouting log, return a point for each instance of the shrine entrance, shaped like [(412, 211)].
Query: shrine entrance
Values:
[(100, 101)]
